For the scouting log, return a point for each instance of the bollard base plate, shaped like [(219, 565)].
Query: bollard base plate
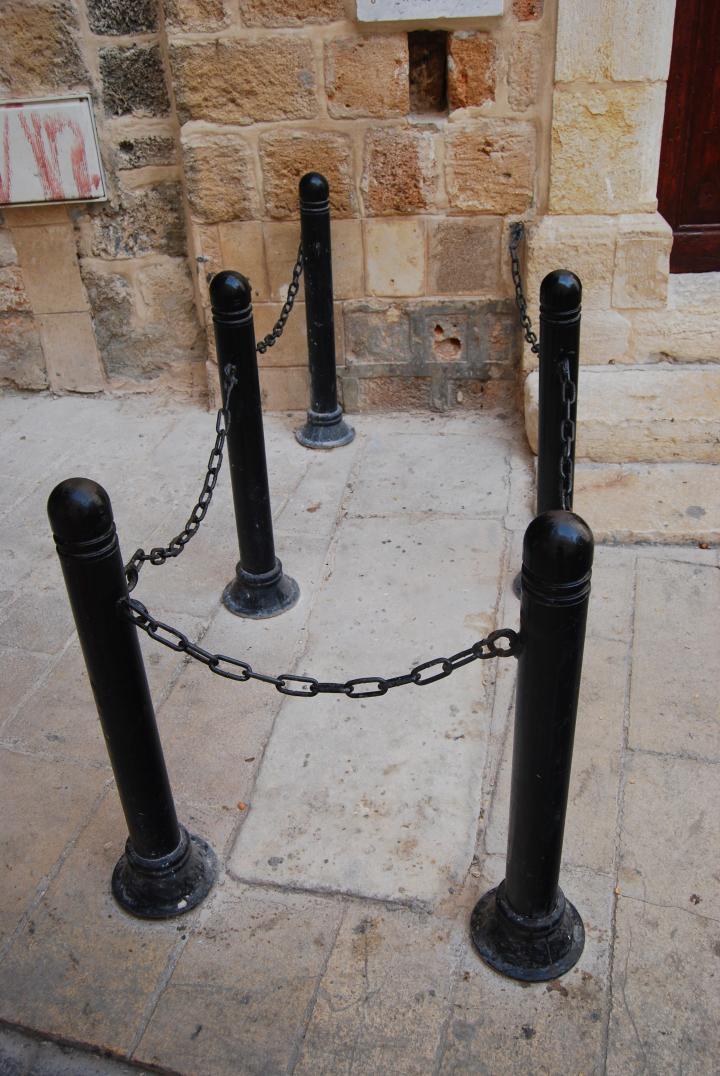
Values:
[(258, 597), (530, 950), (166, 887), (325, 430)]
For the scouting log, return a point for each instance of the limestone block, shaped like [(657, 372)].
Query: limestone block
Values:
[(13, 296), (606, 148), (39, 50), (470, 69), (291, 349), (583, 244), (196, 15), (243, 248), (288, 153), (400, 172), (604, 338), (50, 270), (347, 259), (395, 257), (490, 165), (282, 239), (289, 12), (642, 414), (144, 150), (122, 16), (679, 335), (219, 177), (8, 254), (133, 81), (393, 394), (71, 354), (694, 291), (367, 76), (464, 256), (244, 81), (615, 41), (524, 71), (284, 388), (642, 261), (376, 333), (22, 363), (139, 220), (524, 10)]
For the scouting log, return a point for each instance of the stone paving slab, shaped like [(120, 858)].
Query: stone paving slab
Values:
[(278, 976)]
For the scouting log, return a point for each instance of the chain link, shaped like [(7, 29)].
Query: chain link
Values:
[(293, 288), (159, 554), (567, 430), (304, 687), (517, 231)]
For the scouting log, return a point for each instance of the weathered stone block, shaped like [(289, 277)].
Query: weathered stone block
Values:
[(48, 256), (13, 296), (524, 71), (284, 388), (22, 363), (442, 333), (143, 220), (490, 165), (282, 239), (464, 256), (527, 9), (376, 333), (196, 15), (393, 394), (470, 69), (145, 321), (290, 12), (604, 340), (367, 76), (71, 354), (141, 151), (642, 261), (675, 334), (400, 173), (287, 154), (244, 81), (347, 259), (133, 81), (243, 249), (122, 16), (8, 254), (39, 48), (605, 148), (583, 244), (219, 177), (616, 41), (395, 257)]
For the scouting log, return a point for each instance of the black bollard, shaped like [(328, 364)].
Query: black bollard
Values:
[(260, 588), (525, 928), (165, 870), (560, 298), (325, 426)]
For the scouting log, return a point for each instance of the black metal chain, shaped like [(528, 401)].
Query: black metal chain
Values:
[(567, 430), (308, 686), (293, 288), (517, 231), (159, 554)]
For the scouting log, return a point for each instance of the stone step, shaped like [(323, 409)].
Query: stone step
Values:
[(650, 502), (658, 413)]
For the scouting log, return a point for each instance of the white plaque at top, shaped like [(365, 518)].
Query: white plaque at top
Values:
[(425, 10)]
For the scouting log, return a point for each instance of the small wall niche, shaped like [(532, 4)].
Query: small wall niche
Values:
[(427, 51)]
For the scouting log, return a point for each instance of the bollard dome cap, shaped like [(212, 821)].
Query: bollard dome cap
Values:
[(558, 548), (314, 188), (79, 511), (230, 292), (560, 292)]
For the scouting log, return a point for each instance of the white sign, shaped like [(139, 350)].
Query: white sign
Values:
[(425, 10), (49, 152)]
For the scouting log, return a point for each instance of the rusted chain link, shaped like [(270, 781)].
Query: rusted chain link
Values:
[(308, 687), (159, 554), (293, 288)]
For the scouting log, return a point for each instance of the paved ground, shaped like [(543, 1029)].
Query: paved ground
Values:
[(355, 837)]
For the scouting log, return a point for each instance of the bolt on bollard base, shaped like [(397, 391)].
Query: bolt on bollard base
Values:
[(325, 426), (260, 595), (165, 870), (525, 928), (260, 588)]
